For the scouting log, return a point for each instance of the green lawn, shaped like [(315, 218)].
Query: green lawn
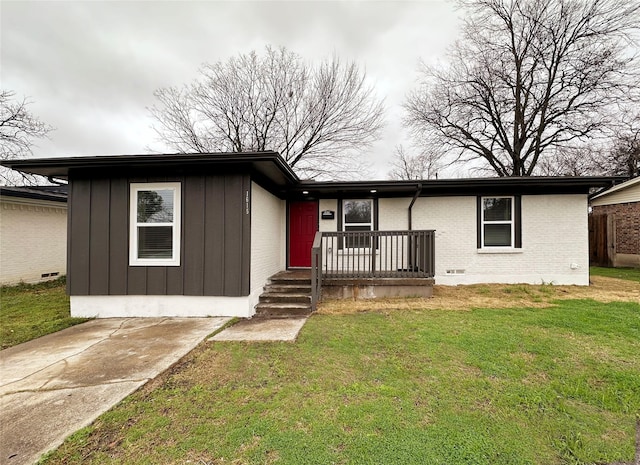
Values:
[(31, 311), (557, 385), (631, 274)]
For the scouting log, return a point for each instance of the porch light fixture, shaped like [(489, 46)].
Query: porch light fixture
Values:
[(305, 192), (373, 191)]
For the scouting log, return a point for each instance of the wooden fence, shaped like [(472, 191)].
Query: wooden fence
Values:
[(601, 240)]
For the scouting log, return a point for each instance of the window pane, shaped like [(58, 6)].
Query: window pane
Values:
[(497, 209), (497, 235), (357, 211), (155, 242), (155, 206), (359, 240)]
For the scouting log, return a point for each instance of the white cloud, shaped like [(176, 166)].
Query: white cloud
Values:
[(91, 67)]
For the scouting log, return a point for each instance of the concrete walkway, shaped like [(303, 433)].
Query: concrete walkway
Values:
[(263, 330), (52, 386)]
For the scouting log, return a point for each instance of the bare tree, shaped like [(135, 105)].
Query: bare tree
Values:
[(619, 156), (315, 116), (527, 77), (423, 165), (18, 127), (571, 161), (624, 156)]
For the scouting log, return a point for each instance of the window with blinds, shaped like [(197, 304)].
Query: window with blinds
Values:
[(357, 217), (497, 222), (155, 224)]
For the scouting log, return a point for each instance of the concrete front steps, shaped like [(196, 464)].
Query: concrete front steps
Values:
[(286, 295)]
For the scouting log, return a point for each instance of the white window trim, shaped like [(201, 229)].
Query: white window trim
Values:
[(344, 225), (133, 224), (500, 250), (512, 222)]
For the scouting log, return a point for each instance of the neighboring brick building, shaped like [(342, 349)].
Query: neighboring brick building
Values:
[(33, 233), (618, 210)]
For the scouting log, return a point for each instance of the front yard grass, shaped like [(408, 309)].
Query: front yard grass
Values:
[(554, 382), (33, 310)]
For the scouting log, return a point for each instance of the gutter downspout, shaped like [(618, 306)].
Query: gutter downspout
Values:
[(56, 182), (415, 197)]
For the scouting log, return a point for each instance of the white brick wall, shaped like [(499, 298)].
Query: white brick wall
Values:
[(268, 238), (33, 239), (393, 214), (328, 225), (554, 238)]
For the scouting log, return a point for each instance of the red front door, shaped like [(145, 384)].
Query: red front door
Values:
[(303, 224)]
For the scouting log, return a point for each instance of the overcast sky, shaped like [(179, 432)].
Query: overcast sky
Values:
[(90, 67)]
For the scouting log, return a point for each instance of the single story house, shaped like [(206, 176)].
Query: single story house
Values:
[(33, 233), (202, 234), (615, 225)]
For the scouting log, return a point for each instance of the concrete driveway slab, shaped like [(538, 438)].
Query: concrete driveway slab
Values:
[(57, 384)]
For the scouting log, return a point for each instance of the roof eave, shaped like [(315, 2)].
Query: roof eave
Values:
[(25, 194), (270, 170), (454, 187), (268, 165), (619, 187)]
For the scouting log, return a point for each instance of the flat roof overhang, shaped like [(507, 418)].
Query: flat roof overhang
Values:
[(271, 171), (531, 185), (267, 167), (50, 193)]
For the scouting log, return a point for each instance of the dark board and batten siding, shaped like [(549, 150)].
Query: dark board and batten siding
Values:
[(215, 239)]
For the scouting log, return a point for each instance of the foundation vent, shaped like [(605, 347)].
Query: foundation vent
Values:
[(50, 275), (454, 271)]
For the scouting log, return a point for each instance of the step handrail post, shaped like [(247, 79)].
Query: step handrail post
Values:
[(316, 270)]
